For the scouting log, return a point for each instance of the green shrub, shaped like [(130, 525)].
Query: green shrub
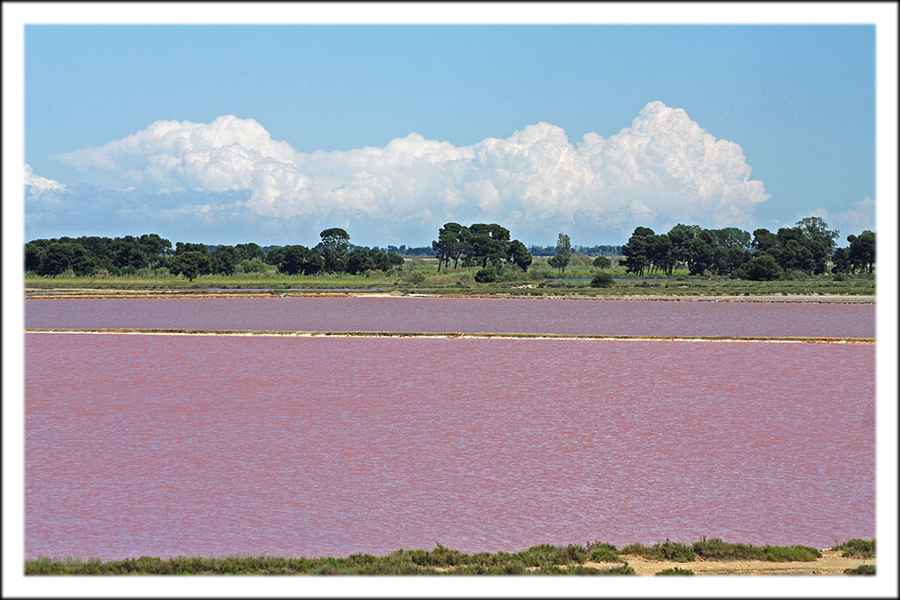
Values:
[(486, 275), (602, 280), (675, 571), (672, 551), (716, 549), (861, 570), (857, 548), (603, 553), (790, 553), (668, 550)]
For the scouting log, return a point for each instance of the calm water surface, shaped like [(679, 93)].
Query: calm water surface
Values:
[(174, 445), (466, 315)]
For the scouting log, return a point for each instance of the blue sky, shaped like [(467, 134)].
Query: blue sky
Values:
[(271, 133)]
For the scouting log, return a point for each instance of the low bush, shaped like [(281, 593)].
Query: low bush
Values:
[(675, 571), (861, 570), (486, 275), (716, 549), (600, 552), (602, 280), (668, 550), (857, 548), (790, 553)]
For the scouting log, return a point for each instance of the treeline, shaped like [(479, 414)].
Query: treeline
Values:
[(102, 256), (485, 245), (808, 247), (598, 250)]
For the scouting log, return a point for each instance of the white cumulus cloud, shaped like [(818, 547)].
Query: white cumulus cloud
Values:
[(662, 169), (41, 186)]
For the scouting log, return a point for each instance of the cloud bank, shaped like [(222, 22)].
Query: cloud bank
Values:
[(661, 170)]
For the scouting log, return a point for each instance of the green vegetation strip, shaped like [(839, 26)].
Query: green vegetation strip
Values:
[(455, 335), (545, 559)]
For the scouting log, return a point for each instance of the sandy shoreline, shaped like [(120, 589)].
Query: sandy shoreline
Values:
[(831, 563)]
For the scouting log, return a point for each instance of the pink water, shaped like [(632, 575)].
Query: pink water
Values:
[(548, 315), (175, 445)]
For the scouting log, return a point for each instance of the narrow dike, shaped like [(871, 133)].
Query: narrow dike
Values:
[(454, 335)]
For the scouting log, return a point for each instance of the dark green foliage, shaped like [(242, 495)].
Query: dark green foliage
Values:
[(601, 262), (335, 239), (861, 570), (762, 267), (543, 559), (600, 552), (517, 254), (668, 550), (861, 253), (486, 275), (481, 244), (716, 549), (292, 260), (224, 260), (675, 571), (359, 261), (190, 264), (638, 252), (790, 553), (857, 548), (563, 253), (672, 551), (602, 280)]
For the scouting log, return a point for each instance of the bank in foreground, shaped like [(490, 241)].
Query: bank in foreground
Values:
[(704, 557)]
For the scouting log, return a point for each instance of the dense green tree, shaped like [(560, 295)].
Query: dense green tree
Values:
[(294, 259), (729, 260), (250, 250), (448, 245), (126, 252), (763, 240), (563, 253), (486, 244), (34, 250), (274, 255), (638, 251), (154, 248), (251, 265), (335, 239), (841, 259), (190, 263), (518, 255), (181, 247), (359, 261), (385, 261), (59, 257), (732, 237), (702, 253), (862, 251), (762, 268), (661, 255), (680, 238), (224, 260), (601, 262), (334, 261)]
